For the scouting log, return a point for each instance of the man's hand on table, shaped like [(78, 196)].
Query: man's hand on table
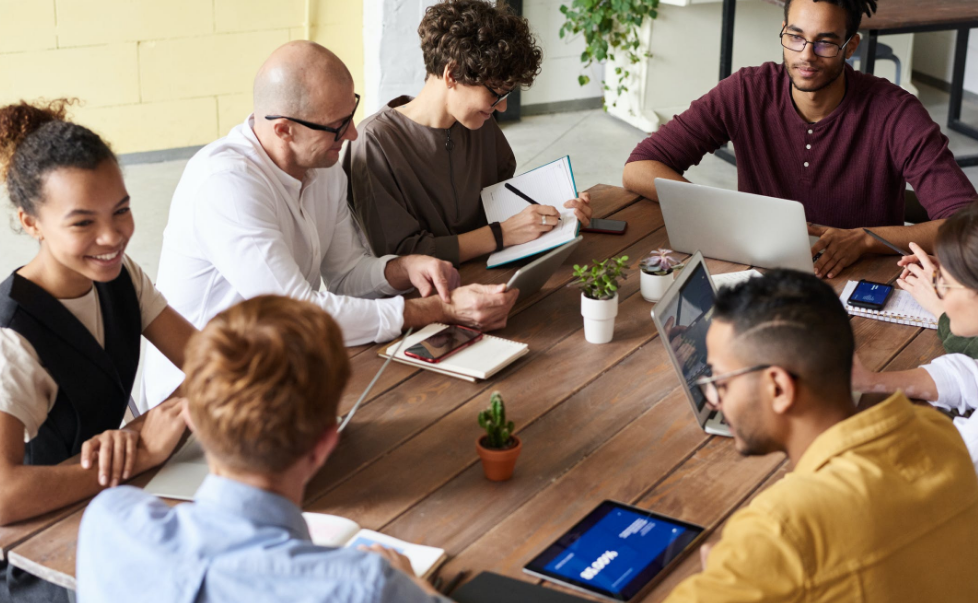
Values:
[(427, 274), (483, 307), (840, 247)]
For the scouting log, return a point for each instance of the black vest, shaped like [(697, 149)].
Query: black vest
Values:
[(94, 384)]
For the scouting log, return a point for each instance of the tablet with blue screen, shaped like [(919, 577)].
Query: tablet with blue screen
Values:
[(615, 552)]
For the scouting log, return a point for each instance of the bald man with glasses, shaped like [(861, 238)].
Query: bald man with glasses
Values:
[(263, 211), (811, 129)]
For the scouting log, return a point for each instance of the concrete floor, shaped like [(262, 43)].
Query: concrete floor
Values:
[(597, 144)]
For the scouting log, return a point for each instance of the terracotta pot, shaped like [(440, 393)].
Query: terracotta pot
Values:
[(498, 465)]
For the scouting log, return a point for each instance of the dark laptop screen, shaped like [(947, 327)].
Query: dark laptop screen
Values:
[(686, 318)]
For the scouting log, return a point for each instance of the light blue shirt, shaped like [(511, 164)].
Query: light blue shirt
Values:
[(233, 543)]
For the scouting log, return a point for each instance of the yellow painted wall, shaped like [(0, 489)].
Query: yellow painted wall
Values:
[(160, 74)]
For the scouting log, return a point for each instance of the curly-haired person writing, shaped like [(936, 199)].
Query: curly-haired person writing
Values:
[(418, 167), (264, 379)]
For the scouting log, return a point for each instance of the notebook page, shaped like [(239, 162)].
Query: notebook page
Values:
[(423, 558), (565, 232), (480, 360), (901, 308), (551, 184), (330, 530)]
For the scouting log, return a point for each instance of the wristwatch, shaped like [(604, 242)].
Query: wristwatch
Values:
[(497, 233)]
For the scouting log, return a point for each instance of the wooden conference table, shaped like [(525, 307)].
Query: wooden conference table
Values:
[(597, 422)]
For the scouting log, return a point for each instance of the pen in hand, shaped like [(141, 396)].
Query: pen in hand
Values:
[(527, 198)]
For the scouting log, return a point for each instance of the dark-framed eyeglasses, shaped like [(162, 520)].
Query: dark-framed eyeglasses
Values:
[(941, 287), (499, 97), (339, 131), (822, 48), (710, 386)]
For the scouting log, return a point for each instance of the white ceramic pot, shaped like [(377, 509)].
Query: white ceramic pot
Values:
[(654, 286), (599, 318)]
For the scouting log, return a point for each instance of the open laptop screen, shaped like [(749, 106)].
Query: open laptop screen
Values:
[(685, 319)]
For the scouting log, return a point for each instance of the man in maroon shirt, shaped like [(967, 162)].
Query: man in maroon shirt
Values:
[(843, 143)]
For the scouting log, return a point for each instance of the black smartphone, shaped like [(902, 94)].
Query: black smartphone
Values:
[(443, 344), (607, 226), (870, 295)]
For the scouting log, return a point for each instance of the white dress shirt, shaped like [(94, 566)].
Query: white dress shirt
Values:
[(240, 227), (956, 377)]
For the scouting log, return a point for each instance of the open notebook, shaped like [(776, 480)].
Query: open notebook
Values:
[(339, 532), (901, 308), (550, 184), (480, 360)]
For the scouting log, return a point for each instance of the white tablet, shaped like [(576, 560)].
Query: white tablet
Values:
[(530, 278)]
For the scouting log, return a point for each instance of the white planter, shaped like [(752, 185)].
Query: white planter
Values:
[(599, 318), (655, 286)]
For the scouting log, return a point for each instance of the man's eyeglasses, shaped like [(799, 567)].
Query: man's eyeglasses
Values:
[(499, 97), (940, 287), (710, 386), (340, 131), (822, 48)]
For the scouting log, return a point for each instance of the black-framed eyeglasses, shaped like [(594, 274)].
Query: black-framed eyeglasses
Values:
[(499, 97), (822, 48), (941, 287), (710, 386), (340, 131)]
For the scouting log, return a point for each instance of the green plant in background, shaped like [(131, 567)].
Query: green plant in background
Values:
[(600, 281), (609, 26), (493, 419)]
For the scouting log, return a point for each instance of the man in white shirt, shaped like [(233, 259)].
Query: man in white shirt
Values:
[(264, 211)]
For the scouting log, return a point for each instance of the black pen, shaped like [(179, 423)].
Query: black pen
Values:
[(523, 195), (885, 242)]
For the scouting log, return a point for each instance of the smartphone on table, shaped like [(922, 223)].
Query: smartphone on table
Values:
[(606, 226), (444, 343), (870, 295)]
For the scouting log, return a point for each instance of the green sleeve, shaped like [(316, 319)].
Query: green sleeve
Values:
[(954, 344)]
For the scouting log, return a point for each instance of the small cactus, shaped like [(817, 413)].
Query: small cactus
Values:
[(493, 420)]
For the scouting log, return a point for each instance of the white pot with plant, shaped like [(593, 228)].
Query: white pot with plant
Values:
[(658, 271), (599, 297)]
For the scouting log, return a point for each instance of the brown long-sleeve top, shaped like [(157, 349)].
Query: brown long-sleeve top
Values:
[(415, 188)]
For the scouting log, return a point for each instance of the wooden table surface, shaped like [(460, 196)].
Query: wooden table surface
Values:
[(597, 422), (900, 14)]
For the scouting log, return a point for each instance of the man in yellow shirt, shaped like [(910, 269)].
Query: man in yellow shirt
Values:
[(882, 506)]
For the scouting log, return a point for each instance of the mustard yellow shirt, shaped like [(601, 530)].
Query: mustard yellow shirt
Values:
[(882, 507)]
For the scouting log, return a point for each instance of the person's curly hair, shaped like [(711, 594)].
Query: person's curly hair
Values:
[(483, 44), (35, 139), (264, 381)]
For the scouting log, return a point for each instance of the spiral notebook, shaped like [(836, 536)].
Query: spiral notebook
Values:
[(480, 360), (550, 184), (901, 309)]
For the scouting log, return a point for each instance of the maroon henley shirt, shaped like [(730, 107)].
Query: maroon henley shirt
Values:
[(849, 170)]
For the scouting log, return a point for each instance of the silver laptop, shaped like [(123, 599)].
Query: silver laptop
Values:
[(682, 318), (530, 278), (736, 227)]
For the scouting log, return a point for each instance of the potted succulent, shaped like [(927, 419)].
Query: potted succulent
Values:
[(499, 448), (599, 297), (658, 271)]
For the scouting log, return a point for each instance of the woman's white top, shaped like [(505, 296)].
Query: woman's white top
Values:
[(240, 227), (27, 390), (956, 376)]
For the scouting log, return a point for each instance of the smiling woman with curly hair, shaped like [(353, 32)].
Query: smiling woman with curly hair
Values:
[(419, 164)]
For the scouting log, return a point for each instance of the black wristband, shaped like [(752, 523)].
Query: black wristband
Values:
[(497, 233)]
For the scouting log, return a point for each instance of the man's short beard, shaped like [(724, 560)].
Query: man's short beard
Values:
[(842, 68)]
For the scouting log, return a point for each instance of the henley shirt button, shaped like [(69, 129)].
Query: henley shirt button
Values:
[(809, 131), (806, 164), (808, 146)]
